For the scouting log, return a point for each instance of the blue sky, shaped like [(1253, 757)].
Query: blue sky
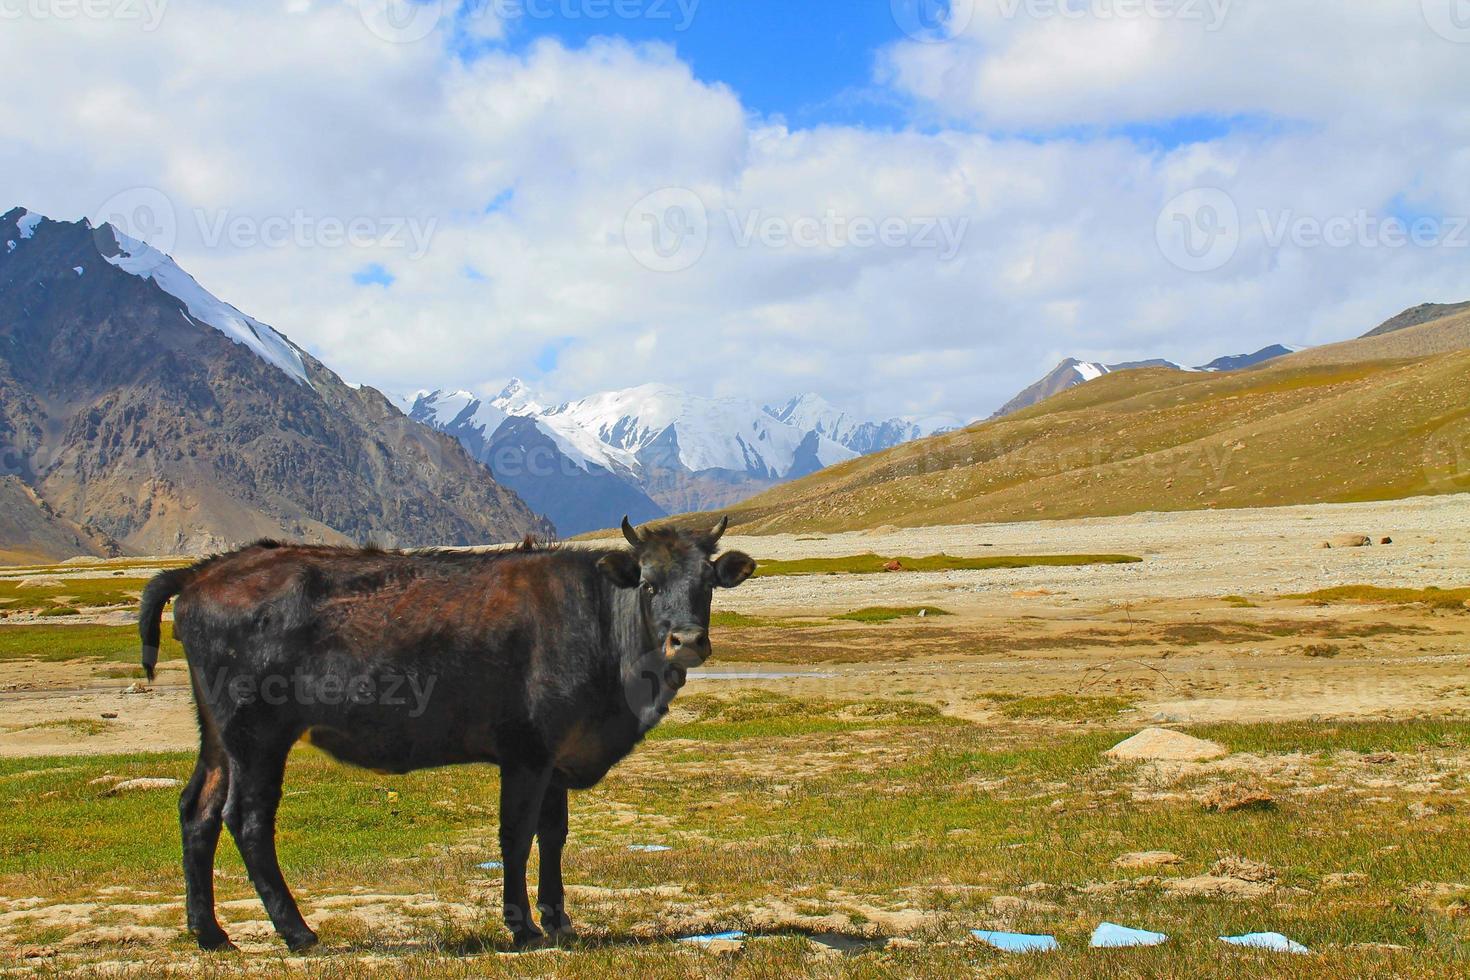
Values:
[(810, 63), (503, 195)]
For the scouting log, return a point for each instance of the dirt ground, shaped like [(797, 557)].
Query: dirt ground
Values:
[(1200, 631)]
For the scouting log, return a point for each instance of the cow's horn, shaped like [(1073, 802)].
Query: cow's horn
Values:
[(719, 530), (631, 534)]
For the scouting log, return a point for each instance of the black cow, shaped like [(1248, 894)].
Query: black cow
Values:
[(552, 664)]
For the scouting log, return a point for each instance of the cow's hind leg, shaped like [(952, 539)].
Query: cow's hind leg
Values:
[(521, 792), (250, 813), (200, 808), (551, 836)]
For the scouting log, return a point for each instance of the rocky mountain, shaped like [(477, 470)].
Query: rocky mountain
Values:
[(1072, 372), (141, 414), (812, 413), (574, 480), (1414, 316), (645, 451)]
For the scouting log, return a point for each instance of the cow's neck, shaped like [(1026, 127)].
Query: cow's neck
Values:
[(641, 666)]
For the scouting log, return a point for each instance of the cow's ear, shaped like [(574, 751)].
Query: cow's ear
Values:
[(732, 568), (621, 569)]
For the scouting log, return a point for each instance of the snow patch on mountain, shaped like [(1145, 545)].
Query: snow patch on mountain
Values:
[(146, 262), (812, 413), (27, 222), (711, 433)]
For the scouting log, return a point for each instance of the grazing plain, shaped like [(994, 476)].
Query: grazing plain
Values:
[(872, 765)]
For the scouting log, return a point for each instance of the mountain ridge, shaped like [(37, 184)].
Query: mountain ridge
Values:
[(159, 423)]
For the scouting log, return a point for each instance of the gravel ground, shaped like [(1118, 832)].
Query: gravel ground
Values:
[(1186, 555)]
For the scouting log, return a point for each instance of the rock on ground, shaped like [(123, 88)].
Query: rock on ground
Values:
[(1165, 745)]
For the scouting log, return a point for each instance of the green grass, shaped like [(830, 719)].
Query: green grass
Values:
[(75, 726), (871, 564), (1060, 707), (1432, 597), (735, 620), (778, 807), (887, 614), (69, 594), (55, 643)]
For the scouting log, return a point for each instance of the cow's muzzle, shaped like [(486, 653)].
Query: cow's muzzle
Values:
[(685, 649)]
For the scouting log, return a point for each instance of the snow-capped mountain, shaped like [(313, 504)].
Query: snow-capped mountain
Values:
[(699, 433), (563, 473), (670, 450), (141, 414), (1072, 372), (812, 413)]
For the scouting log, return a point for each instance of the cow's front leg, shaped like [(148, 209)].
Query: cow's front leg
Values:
[(521, 792), (551, 834)]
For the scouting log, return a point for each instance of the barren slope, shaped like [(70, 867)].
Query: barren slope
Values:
[(1163, 441)]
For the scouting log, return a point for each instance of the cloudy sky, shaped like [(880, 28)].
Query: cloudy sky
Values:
[(908, 206)]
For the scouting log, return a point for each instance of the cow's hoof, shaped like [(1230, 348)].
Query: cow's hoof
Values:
[(523, 942), (302, 942), (562, 935), (215, 941)]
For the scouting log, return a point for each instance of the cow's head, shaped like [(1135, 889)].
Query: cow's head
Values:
[(676, 574)]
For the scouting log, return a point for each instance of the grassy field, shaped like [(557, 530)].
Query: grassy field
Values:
[(871, 564), (790, 819), (57, 643)]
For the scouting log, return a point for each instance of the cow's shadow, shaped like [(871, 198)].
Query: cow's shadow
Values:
[(490, 941)]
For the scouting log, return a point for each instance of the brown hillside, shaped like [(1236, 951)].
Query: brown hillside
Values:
[(1148, 440), (1438, 336)]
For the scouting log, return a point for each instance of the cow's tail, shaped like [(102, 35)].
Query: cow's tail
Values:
[(156, 595)]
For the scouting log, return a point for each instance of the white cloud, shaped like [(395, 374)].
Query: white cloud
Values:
[(263, 119)]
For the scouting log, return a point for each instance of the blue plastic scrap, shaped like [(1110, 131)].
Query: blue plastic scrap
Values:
[(1274, 942), (490, 866), (1110, 935), (649, 848), (714, 937), (1016, 942)]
